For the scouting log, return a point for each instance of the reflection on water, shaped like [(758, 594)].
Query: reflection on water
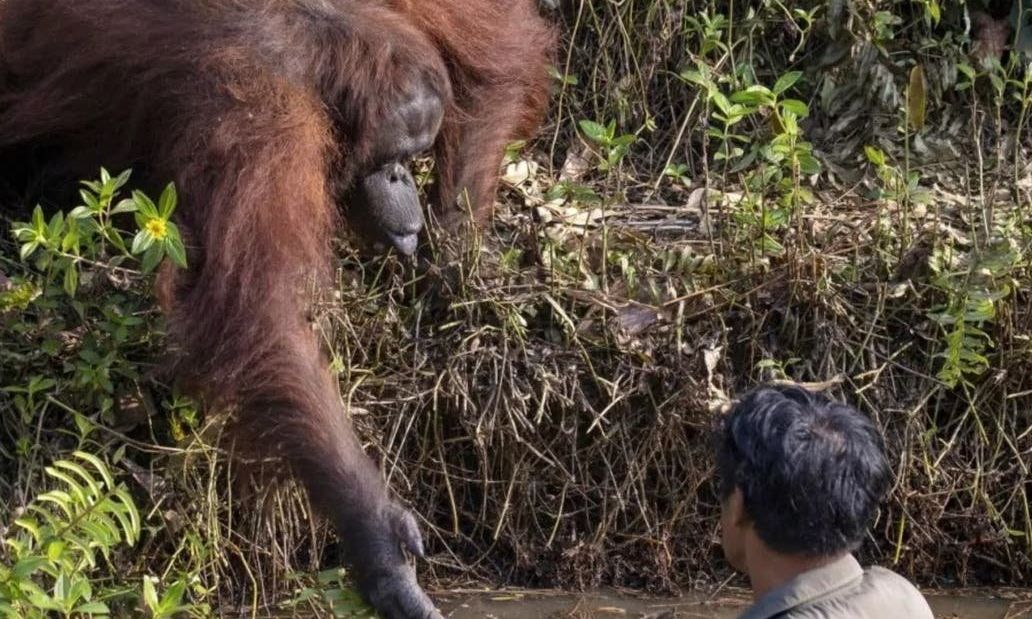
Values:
[(544, 605)]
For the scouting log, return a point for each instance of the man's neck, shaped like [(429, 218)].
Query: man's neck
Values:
[(769, 570)]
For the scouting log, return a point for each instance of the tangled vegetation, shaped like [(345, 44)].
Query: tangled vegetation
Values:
[(837, 193)]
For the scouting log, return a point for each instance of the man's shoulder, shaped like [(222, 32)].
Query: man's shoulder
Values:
[(882, 589), (880, 578), (880, 593)]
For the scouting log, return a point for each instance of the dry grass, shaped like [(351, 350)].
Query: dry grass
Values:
[(556, 433)]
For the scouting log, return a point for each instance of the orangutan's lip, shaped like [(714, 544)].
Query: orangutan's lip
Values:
[(405, 243)]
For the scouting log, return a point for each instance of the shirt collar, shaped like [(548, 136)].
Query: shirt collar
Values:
[(806, 587)]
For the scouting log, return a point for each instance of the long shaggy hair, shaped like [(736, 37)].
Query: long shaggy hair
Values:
[(261, 111)]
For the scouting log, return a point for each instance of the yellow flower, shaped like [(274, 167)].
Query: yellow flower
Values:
[(157, 228)]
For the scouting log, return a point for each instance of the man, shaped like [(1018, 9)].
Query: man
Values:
[(800, 480)]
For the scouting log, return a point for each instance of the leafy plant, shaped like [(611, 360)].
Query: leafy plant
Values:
[(614, 147), (575, 192), (168, 605), (78, 321), (331, 594), (63, 536), (710, 30), (974, 282), (84, 252), (70, 534), (88, 234), (895, 184), (779, 164), (678, 172)]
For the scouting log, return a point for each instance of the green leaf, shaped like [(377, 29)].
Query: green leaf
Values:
[(933, 11), (31, 525), (71, 279), (94, 186), (695, 77), (91, 202), (721, 102), (27, 567), (175, 251), (968, 71), (625, 140), (83, 424), (152, 257), (754, 95), (23, 231), (81, 589), (38, 220), (594, 131), (118, 242), (769, 245), (170, 602), (167, 201), (37, 597), (330, 576), (80, 212), (150, 595), (98, 465), (786, 81), (875, 155), (39, 384), (93, 608), (82, 474), (122, 179), (750, 99), (56, 225), (796, 107), (569, 80), (808, 164), (70, 242), (26, 250), (132, 530), (55, 549), (142, 242), (61, 587), (124, 206), (145, 205)]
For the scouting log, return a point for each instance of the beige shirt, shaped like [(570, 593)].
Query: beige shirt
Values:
[(842, 590)]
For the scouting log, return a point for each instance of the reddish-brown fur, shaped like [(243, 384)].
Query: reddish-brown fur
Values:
[(496, 52), (261, 111)]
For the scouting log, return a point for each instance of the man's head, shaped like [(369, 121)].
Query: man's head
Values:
[(800, 473)]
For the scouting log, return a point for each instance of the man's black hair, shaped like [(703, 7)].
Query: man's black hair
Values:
[(811, 471)]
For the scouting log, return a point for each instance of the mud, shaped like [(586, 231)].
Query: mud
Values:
[(613, 605)]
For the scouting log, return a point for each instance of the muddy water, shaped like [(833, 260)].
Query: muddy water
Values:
[(547, 605), (603, 605)]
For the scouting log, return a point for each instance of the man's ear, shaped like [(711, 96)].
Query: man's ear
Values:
[(736, 508)]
